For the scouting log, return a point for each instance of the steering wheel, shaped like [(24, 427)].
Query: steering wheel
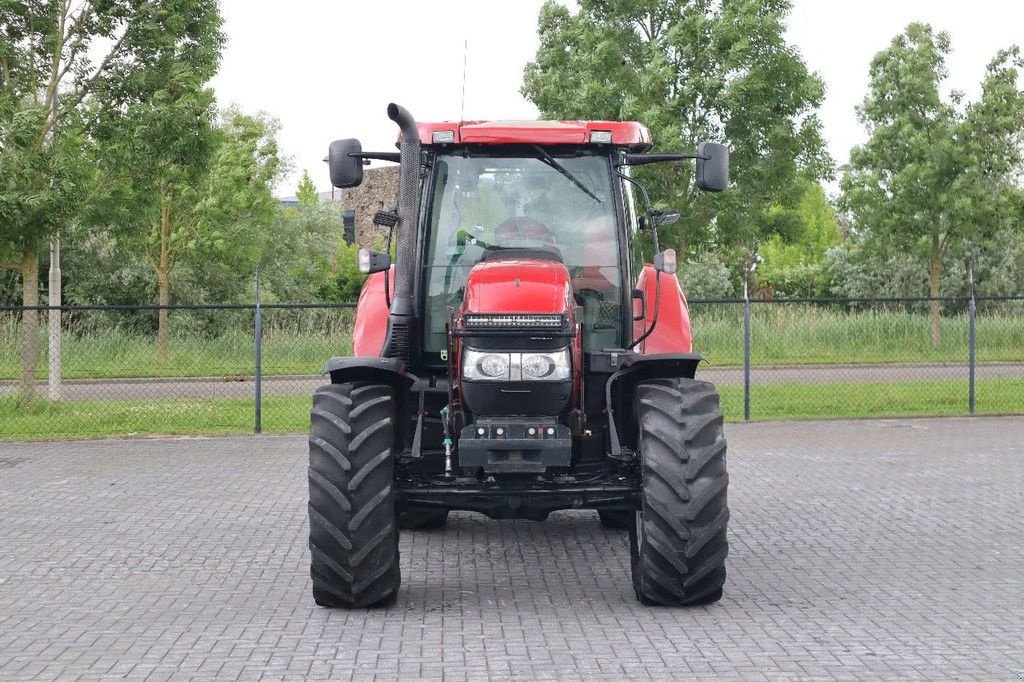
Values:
[(524, 229)]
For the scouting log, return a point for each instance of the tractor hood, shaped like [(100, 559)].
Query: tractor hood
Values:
[(518, 284)]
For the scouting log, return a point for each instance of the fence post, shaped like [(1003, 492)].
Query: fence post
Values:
[(747, 358), (971, 312), (53, 320), (746, 351), (258, 343)]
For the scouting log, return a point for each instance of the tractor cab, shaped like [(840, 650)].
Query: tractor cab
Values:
[(514, 358), (510, 208)]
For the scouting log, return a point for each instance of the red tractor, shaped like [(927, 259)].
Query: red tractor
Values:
[(506, 363)]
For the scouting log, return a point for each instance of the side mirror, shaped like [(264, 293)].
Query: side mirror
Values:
[(666, 261), (371, 261), (712, 167), (346, 170)]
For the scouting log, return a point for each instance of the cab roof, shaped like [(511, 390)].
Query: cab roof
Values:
[(627, 133)]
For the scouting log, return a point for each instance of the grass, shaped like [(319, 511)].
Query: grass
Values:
[(794, 334), (97, 419), (110, 418), (300, 348), (781, 334), (874, 399)]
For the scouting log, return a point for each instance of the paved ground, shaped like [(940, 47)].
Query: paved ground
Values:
[(236, 387), (877, 549)]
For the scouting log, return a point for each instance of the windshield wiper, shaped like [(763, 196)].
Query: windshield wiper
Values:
[(545, 157)]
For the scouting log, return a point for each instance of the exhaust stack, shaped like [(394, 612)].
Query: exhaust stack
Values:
[(402, 327)]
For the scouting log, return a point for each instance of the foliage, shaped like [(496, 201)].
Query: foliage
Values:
[(870, 269), (236, 204), (66, 67), (706, 277), (935, 170), (693, 71), (66, 70), (306, 192), (345, 280), (300, 266), (815, 232), (794, 266)]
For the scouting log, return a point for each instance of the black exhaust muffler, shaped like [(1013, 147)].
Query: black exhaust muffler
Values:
[(402, 323)]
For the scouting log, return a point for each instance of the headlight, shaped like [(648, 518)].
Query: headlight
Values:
[(538, 366), (484, 366), (494, 366)]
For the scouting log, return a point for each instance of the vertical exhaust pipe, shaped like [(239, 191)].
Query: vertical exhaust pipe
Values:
[(402, 323)]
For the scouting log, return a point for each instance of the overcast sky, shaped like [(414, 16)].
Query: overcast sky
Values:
[(328, 68)]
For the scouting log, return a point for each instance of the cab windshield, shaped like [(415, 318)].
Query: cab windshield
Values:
[(539, 199)]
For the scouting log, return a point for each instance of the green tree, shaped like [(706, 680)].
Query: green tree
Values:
[(794, 264), (935, 170), (306, 192), (213, 206), (63, 67), (692, 71)]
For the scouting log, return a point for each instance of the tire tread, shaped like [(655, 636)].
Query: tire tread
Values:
[(680, 560), (353, 528)]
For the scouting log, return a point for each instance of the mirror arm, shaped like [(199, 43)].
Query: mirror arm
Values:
[(644, 159), (376, 156), (643, 191), (652, 213)]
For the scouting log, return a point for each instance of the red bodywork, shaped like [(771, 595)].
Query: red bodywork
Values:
[(523, 285), (544, 287), (536, 132), (529, 285), (372, 316), (672, 333), (518, 285)]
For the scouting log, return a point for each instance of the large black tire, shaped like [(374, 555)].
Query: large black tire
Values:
[(616, 519), (423, 519), (678, 538), (353, 529)]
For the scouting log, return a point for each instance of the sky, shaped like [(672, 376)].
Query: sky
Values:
[(327, 69)]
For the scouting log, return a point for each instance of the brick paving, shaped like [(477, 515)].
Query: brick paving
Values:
[(872, 549)]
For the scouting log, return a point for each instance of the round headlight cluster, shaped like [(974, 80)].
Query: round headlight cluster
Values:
[(537, 366), (490, 365), (493, 365)]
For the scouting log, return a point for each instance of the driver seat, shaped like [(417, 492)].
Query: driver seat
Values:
[(516, 231)]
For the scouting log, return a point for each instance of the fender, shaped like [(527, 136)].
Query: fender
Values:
[(672, 334), (621, 387), (379, 370), (371, 323)]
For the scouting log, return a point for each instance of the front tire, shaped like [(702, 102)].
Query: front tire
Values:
[(353, 529), (678, 538)]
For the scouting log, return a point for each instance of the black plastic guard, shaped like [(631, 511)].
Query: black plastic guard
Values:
[(381, 370), (620, 388)]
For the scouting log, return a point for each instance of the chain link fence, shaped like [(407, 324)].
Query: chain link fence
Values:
[(253, 368)]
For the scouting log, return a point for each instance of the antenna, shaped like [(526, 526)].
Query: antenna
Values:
[(462, 108)]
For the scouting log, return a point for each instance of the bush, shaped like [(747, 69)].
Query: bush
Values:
[(861, 271), (344, 281), (805, 280), (706, 277)]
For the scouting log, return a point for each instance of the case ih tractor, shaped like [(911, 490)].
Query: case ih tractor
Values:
[(518, 358)]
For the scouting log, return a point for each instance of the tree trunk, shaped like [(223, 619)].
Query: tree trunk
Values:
[(934, 276), (163, 278), (29, 324)]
